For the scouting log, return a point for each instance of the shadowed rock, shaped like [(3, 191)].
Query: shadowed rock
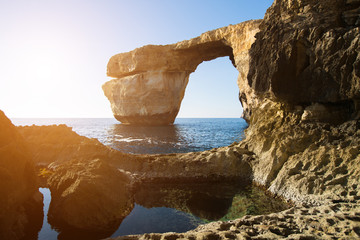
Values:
[(88, 196), (308, 51), (21, 202)]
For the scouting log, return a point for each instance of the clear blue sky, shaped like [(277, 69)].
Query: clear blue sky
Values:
[(53, 54)]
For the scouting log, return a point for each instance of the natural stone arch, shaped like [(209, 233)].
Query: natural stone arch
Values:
[(150, 81)]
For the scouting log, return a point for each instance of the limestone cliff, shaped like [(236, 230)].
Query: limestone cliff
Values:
[(150, 81), (307, 52), (303, 121)]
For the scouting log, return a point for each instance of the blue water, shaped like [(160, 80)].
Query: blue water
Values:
[(46, 231), (185, 135)]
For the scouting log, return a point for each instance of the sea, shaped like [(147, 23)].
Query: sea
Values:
[(185, 135), (156, 209)]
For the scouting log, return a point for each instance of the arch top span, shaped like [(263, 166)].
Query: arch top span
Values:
[(150, 81)]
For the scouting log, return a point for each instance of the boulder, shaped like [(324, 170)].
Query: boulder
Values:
[(88, 196)]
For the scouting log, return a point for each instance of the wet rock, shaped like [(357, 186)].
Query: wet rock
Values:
[(89, 196), (21, 202)]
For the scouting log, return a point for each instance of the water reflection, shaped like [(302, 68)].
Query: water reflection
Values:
[(207, 201), (186, 135), (131, 139), (175, 207), (164, 207), (46, 231)]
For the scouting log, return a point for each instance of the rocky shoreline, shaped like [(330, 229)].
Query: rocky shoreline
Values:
[(300, 89), (299, 85)]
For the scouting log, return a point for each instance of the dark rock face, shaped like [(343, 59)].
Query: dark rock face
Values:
[(90, 196), (20, 201), (308, 51)]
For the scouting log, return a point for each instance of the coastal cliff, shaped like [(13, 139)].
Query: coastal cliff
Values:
[(304, 125)]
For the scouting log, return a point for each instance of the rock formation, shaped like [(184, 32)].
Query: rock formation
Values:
[(150, 81), (305, 79), (88, 196), (299, 86), (20, 201), (301, 99)]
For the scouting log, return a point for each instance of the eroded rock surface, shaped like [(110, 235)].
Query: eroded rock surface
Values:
[(150, 81), (307, 52), (304, 73), (303, 161), (20, 199)]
